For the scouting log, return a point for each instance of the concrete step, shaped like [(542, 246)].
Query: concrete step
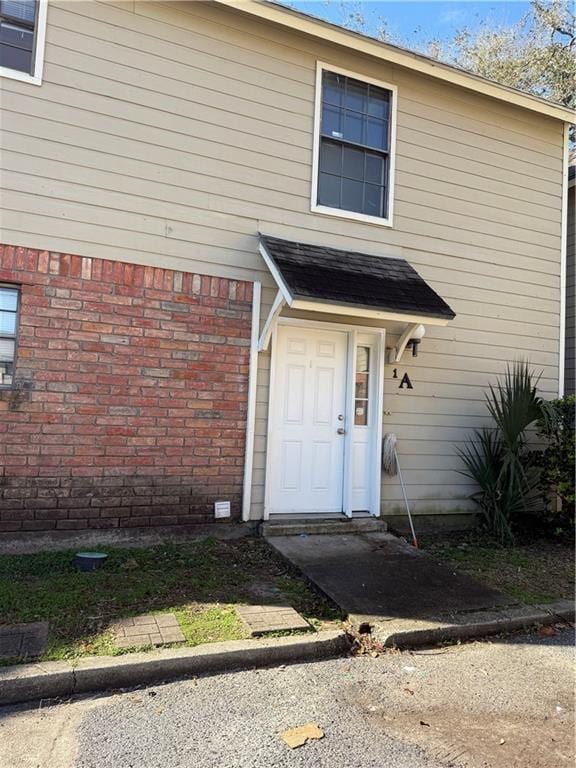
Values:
[(322, 527)]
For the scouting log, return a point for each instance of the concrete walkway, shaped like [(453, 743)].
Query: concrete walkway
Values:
[(402, 595), (380, 575)]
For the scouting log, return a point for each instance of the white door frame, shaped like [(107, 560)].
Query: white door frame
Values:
[(376, 455)]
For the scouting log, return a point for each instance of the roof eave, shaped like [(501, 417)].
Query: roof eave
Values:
[(299, 22)]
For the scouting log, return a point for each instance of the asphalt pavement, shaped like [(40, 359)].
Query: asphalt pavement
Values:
[(500, 704)]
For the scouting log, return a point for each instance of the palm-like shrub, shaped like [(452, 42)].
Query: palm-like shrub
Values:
[(496, 457)]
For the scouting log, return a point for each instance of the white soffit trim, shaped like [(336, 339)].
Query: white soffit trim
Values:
[(323, 30), (376, 314)]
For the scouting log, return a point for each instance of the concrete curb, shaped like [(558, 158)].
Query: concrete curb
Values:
[(28, 682), (410, 633)]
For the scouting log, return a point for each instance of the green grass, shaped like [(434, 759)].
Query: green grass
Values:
[(537, 572), (200, 582)]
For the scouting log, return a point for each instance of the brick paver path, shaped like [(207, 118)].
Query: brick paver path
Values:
[(261, 619), (18, 640), (147, 630)]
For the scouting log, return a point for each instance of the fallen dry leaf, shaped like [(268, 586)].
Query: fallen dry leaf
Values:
[(547, 632), (423, 723), (296, 737), (409, 690)]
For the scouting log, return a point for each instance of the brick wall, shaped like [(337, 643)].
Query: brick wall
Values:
[(130, 401)]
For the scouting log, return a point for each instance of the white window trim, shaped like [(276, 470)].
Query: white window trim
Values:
[(36, 77), (338, 212)]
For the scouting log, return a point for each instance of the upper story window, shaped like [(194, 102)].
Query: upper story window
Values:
[(8, 327), (354, 146), (22, 33)]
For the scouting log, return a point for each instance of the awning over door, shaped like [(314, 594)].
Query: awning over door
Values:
[(331, 280)]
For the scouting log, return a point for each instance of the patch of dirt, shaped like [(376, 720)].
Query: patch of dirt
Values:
[(485, 740)]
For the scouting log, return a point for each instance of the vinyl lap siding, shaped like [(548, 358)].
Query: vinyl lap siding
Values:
[(172, 135)]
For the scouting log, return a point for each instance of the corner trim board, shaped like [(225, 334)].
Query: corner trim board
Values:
[(251, 410), (563, 263)]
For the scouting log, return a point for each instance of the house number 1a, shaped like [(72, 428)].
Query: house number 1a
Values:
[(405, 380)]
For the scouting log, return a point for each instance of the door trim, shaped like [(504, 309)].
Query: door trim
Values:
[(376, 455)]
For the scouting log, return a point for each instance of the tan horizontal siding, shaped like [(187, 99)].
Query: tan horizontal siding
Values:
[(171, 133)]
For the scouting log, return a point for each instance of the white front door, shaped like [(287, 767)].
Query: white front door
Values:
[(308, 411)]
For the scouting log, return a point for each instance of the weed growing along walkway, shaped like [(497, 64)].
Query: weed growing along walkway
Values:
[(200, 582)]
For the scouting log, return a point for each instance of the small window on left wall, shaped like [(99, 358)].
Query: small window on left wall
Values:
[(22, 33), (9, 304)]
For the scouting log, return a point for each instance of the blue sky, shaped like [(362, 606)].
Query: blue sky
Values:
[(419, 20)]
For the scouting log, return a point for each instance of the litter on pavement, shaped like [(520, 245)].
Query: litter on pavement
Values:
[(297, 737)]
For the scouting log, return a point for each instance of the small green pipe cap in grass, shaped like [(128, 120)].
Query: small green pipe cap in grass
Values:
[(89, 561)]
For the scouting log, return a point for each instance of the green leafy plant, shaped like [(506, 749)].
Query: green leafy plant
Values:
[(497, 457), (556, 463)]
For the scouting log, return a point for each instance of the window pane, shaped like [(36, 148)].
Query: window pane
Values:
[(362, 386), (6, 350), (15, 58), (24, 10), (6, 373), (374, 168), (18, 37), (9, 298), (8, 323), (373, 200), (353, 127), (354, 117), (378, 101), (356, 96), (360, 413), (352, 195), (331, 157), (377, 133), (332, 122), (329, 190), (362, 359), (353, 165), (333, 88)]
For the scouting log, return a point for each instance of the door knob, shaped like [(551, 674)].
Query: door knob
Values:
[(341, 431), (340, 417)]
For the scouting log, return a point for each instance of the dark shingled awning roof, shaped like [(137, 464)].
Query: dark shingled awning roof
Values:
[(332, 276)]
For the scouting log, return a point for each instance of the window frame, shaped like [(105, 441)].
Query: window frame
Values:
[(18, 288), (322, 67), (35, 77)]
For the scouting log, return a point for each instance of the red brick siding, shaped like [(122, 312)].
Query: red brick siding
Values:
[(130, 406)]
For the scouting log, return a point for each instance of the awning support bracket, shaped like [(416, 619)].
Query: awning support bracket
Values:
[(275, 309), (410, 332)]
